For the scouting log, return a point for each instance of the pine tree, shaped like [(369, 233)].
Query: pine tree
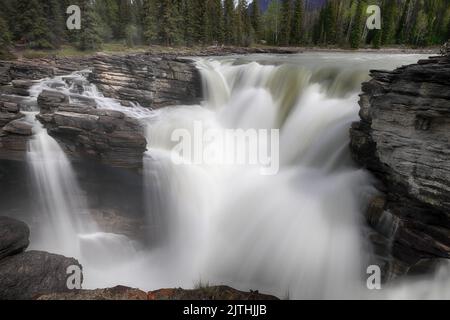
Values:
[(330, 23), (150, 25), (297, 23), (389, 18), (5, 39), (169, 20), (256, 18), (286, 22), (89, 36), (228, 22), (356, 31)]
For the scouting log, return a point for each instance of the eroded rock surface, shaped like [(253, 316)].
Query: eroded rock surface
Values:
[(151, 81), (404, 139)]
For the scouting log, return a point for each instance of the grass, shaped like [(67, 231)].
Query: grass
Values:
[(71, 51)]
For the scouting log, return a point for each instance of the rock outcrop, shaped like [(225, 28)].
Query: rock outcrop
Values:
[(152, 81), (25, 275), (14, 132), (118, 293), (404, 139), (104, 135)]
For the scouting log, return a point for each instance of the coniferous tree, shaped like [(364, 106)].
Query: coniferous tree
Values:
[(297, 23), (256, 18), (286, 22), (228, 22), (89, 35), (330, 23), (150, 21), (5, 39), (356, 31)]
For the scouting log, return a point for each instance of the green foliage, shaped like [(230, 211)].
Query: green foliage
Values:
[(286, 21), (357, 27), (297, 23), (40, 24), (89, 36)]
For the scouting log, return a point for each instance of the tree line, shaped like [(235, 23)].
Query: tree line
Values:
[(41, 24)]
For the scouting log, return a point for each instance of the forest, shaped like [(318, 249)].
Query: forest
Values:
[(41, 24)]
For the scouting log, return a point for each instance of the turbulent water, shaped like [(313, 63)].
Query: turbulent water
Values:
[(296, 234)]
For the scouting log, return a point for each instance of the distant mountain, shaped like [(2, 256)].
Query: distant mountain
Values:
[(310, 4)]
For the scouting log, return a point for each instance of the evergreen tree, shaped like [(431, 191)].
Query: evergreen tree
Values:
[(150, 21), (256, 18), (297, 23), (389, 17), (5, 39), (89, 36), (169, 18), (330, 23), (356, 31), (286, 12), (228, 22)]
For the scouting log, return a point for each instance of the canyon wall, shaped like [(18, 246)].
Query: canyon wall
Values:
[(403, 138)]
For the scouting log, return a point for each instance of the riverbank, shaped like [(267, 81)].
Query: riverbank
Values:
[(114, 48)]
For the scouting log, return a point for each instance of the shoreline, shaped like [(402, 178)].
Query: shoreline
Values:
[(32, 55)]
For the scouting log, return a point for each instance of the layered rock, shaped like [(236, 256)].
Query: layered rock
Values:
[(104, 135), (152, 81), (404, 139), (14, 131), (25, 275)]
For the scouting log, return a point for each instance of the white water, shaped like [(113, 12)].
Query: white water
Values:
[(297, 234)]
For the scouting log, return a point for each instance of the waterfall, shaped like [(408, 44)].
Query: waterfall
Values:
[(296, 234), (64, 224)]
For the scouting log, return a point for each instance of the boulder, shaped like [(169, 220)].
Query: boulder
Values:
[(27, 275), (13, 237)]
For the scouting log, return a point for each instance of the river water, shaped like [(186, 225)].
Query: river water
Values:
[(297, 234)]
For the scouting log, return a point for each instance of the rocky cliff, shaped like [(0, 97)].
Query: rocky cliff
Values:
[(151, 81), (404, 139)]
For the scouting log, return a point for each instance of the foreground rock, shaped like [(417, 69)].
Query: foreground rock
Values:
[(13, 237), (152, 81), (25, 275), (125, 293), (14, 132), (118, 293), (403, 138), (209, 293)]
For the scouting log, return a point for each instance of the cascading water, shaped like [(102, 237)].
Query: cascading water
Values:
[(297, 234)]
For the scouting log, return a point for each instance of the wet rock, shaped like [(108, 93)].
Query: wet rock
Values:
[(152, 81), (13, 237), (19, 127), (107, 136), (119, 293), (27, 275), (49, 101), (209, 293), (403, 138)]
